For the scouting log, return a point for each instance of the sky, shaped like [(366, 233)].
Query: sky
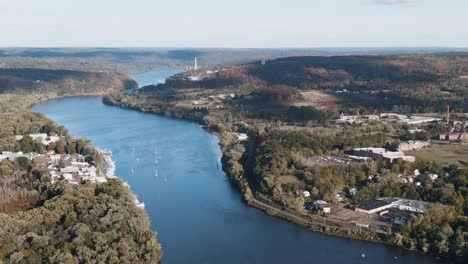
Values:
[(234, 23)]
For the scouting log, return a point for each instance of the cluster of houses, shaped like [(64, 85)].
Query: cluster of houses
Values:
[(353, 119), (200, 75), (213, 99), (414, 178), (339, 91), (12, 156), (42, 137), (71, 167)]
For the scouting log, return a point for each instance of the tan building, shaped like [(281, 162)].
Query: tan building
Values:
[(375, 153), (410, 145)]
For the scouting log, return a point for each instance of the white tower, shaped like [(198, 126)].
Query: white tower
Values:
[(195, 66)]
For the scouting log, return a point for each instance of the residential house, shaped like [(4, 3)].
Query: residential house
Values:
[(323, 206)]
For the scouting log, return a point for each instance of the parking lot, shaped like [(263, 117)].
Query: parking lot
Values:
[(332, 160)]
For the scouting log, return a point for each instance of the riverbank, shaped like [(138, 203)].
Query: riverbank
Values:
[(61, 200), (191, 184), (233, 153)]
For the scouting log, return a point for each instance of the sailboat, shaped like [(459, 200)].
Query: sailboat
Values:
[(156, 161), (156, 157)]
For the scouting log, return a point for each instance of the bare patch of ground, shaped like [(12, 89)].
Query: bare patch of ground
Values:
[(288, 179), (19, 205), (321, 100), (342, 214)]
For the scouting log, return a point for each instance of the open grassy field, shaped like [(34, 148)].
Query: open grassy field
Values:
[(444, 153), (288, 179), (318, 99)]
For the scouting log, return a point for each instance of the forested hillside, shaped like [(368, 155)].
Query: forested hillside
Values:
[(135, 60), (52, 222), (62, 82), (403, 83), (399, 83), (88, 224)]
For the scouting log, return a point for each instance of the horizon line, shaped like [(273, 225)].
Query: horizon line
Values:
[(262, 48)]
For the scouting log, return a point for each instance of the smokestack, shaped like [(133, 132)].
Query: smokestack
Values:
[(195, 64), (448, 115), (447, 125)]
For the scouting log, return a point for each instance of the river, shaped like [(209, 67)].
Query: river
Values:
[(199, 216)]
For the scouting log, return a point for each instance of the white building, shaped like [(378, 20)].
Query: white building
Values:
[(322, 206), (14, 155), (100, 179), (67, 176), (54, 157), (381, 153), (414, 120), (352, 191), (39, 136), (242, 136), (433, 176), (381, 204), (347, 119), (70, 169)]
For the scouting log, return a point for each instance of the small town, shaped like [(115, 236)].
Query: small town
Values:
[(302, 131), (73, 168)]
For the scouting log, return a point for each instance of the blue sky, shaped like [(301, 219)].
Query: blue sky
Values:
[(234, 23)]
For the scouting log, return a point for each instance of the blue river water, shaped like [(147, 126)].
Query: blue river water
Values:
[(155, 77), (174, 167)]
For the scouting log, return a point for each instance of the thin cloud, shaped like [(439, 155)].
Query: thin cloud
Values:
[(395, 2)]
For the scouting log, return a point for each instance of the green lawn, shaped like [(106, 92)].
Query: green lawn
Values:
[(444, 153)]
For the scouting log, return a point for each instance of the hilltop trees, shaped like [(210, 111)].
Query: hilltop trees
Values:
[(434, 231), (91, 224), (63, 82), (87, 224)]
